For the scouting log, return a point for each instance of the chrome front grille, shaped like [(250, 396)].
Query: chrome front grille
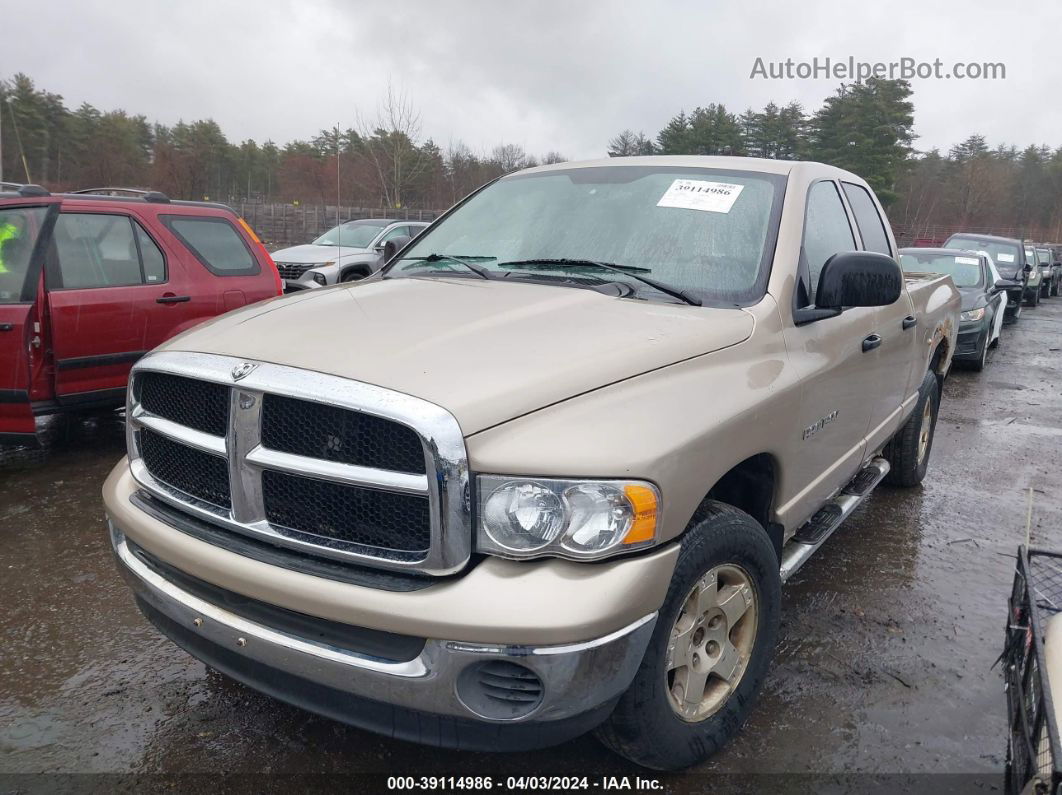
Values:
[(293, 270), (322, 464)]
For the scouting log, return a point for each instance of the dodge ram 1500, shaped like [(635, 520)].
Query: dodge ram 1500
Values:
[(595, 416)]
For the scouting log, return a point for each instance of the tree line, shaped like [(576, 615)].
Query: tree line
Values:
[(385, 161), (868, 128), (382, 161)]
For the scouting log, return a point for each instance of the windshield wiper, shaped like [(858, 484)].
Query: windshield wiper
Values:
[(479, 270), (626, 270)]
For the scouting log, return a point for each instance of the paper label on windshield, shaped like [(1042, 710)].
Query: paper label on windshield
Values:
[(699, 194), (967, 260), (1005, 258)]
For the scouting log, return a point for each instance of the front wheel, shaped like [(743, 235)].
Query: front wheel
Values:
[(978, 364), (709, 652), (908, 452)]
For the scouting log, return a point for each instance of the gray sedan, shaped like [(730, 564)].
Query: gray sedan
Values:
[(345, 253)]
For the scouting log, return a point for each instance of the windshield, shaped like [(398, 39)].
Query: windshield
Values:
[(1007, 256), (707, 232), (964, 270), (1044, 255), (1030, 256), (354, 234)]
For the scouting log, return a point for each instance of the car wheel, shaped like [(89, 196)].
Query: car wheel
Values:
[(1054, 288), (1045, 289), (908, 452), (710, 650), (1034, 299), (353, 276)]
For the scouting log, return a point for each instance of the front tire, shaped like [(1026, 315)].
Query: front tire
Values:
[(908, 452), (710, 650), (352, 276)]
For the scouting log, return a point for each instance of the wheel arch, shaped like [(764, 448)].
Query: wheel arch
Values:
[(749, 486)]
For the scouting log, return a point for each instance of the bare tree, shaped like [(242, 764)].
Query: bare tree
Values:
[(510, 157), (391, 143)]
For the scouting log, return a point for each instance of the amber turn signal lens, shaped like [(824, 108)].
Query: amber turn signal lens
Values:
[(643, 528)]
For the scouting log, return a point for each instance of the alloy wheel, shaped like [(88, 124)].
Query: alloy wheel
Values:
[(711, 642)]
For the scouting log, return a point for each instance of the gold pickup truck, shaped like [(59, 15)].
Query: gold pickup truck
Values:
[(548, 470)]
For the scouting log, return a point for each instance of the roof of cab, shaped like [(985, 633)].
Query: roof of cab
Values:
[(756, 164)]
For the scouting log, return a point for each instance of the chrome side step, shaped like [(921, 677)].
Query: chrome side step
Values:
[(829, 517)]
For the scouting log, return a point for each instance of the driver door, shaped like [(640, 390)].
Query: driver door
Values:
[(25, 227)]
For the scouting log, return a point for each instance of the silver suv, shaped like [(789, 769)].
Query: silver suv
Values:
[(346, 253)]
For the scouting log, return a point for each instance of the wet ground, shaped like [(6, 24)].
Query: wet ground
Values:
[(884, 664)]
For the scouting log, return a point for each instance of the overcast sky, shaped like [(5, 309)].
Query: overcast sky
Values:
[(562, 76)]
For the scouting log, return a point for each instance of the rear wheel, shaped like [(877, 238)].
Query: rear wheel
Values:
[(709, 652), (908, 452), (1034, 299)]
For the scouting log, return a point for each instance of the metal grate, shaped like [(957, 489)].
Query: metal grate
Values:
[(341, 435), (197, 404), (347, 514), (201, 475), (1036, 598), (293, 270)]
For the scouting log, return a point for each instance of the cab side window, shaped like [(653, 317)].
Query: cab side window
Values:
[(826, 230), (99, 250), (868, 219)]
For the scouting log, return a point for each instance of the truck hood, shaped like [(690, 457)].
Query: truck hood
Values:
[(312, 253), (487, 351)]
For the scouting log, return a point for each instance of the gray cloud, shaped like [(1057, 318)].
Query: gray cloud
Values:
[(548, 75)]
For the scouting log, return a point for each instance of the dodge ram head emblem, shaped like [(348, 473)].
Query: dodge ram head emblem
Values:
[(242, 370)]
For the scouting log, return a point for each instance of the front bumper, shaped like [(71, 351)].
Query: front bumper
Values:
[(431, 698), (968, 341)]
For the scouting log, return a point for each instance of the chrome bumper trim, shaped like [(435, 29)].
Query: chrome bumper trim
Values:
[(576, 677)]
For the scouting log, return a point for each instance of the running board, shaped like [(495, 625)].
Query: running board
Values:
[(829, 517)]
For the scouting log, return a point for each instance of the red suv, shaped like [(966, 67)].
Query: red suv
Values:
[(91, 281)]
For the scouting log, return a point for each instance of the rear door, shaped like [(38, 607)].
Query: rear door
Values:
[(106, 278), (25, 227)]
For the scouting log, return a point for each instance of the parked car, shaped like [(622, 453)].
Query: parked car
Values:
[(1050, 271), (1032, 674), (90, 282), (1056, 269), (346, 253), (1010, 260), (983, 300), (1032, 289), (610, 408)]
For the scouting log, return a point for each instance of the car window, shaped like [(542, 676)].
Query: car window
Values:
[(868, 219), (1005, 255), (398, 231), (1030, 256), (417, 229), (214, 242), (151, 257), (965, 268), (826, 229), (19, 227), (96, 250)]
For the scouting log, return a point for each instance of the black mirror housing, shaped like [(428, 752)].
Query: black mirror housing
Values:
[(393, 246), (859, 278)]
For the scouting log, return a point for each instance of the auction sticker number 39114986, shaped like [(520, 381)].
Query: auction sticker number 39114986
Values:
[(700, 194)]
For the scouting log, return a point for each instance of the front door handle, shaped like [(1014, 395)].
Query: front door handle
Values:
[(909, 322), (170, 298), (871, 342)]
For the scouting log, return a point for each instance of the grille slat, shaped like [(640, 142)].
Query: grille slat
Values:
[(347, 514), (336, 434), (197, 404), (198, 474), (293, 270)]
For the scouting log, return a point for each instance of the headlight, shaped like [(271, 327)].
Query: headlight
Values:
[(579, 519), (973, 315), (320, 278)]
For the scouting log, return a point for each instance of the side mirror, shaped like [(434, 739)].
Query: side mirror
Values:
[(393, 246), (858, 278), (1002, 284), (1028, 268)]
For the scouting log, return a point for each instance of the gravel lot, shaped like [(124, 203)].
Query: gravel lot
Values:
[(884, 664)]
